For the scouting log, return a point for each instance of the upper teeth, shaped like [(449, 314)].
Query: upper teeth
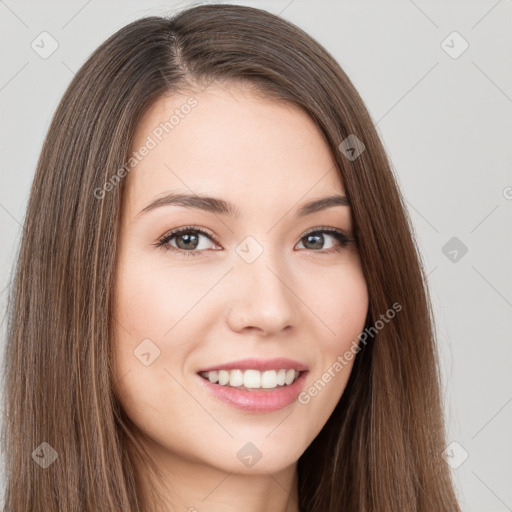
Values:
[(252, 378)]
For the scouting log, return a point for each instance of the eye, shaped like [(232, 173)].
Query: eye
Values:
[(187, 240), (317, 238)]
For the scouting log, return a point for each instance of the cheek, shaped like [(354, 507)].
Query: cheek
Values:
[(151, 298), (346, 315), (349, 309), (341, 305), (147, 308), (339, 299), (154, 313)]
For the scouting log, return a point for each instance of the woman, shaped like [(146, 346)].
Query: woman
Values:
[(291, 364)]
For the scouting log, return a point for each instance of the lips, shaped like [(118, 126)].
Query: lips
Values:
[(258, 364), (256, 400)]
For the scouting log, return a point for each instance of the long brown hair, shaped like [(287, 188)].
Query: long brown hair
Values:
[(381, 448)]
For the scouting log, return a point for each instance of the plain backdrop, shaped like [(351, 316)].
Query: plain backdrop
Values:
[(436, 77)]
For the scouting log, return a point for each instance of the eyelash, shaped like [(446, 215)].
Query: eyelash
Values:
[(339, 235)]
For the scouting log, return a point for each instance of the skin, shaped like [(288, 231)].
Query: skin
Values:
[(268, 158)]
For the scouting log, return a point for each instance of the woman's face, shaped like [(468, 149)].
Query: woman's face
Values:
[(253, 287)]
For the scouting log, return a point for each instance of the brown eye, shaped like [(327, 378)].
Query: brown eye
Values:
[(187, 241), (316, 240)]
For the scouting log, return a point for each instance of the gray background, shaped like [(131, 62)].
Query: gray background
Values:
[(446, 123)]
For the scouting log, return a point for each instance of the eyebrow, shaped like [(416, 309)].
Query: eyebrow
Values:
[(222, 207)]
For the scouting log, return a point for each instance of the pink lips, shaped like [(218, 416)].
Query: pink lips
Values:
[(258, 400), (259, 364)]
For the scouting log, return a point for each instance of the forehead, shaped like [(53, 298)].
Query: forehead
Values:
[(230, 142)]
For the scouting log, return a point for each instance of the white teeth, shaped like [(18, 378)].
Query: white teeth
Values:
[(236, 378), (269, 379), (252, 379), (223, 377), (290, 377)]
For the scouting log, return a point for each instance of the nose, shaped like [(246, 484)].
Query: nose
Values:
[(263, 298)]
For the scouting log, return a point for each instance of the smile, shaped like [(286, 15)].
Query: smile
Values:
[(255, 397), (252, 379)]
